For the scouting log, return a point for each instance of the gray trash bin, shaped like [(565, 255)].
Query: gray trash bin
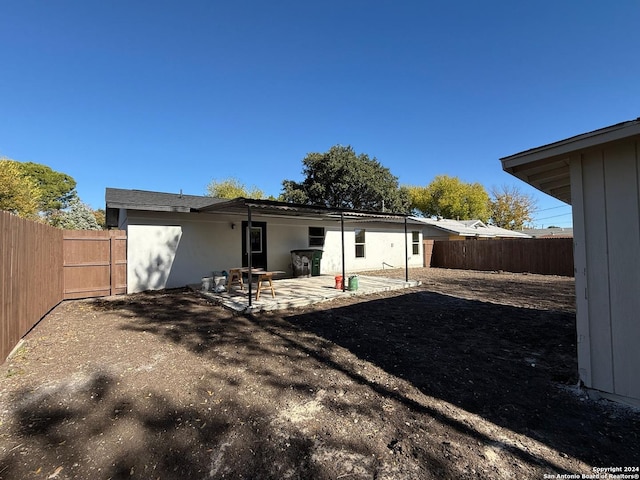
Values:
[(306, 262)]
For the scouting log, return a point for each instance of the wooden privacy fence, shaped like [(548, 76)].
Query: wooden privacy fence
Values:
[(95, 263), (40, 266), (547, 256), (31, 273)]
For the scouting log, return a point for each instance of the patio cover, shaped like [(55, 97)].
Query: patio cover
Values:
[(275, 208)]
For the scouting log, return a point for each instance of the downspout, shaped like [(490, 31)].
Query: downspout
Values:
[(344, 279), (250, 249), (406, 252)]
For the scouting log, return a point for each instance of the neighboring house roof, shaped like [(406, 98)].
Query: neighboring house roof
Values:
[(549, 232), (472, 223), (547, 167), (470, 228), (156, 201)]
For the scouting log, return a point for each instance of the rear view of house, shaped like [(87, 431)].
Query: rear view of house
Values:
[(175, 239)]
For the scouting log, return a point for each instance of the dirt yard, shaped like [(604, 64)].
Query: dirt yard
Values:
[(471, 375)]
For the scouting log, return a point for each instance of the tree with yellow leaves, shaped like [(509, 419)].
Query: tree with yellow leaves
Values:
[(450, 197), (232, 188), (511, 208), (19, 193)]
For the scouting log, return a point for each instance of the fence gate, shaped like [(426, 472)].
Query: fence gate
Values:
[(95, 263)]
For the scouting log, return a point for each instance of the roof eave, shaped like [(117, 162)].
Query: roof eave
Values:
[(149, 208), (572, 144), (547, 168), (292, 209)]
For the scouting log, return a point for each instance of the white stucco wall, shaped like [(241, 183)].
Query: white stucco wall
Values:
[(151, 253), (169, 250), (384, 245), (384, 248), (605, 194), (173, 250)]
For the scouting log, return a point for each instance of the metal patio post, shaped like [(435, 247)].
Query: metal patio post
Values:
[(250, 250), (344, 280), (406, 253)]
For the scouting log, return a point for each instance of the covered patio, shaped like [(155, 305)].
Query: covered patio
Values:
[(300, 292)]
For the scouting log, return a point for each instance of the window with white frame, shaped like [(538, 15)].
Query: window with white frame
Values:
[(415, 242), (360, 250)]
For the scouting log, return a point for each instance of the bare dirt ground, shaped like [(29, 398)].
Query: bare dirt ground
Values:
[(471, 375)]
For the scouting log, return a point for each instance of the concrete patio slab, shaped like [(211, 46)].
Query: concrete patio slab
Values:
[(300, 292)]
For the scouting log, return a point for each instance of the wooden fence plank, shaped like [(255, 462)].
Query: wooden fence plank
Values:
[(547, 256), (94, 263), (31, 276), (37, 268)]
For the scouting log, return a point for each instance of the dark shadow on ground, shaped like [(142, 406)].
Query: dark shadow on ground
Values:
[(274, 397), (504, 363), (515, 367), (93, 431), (241, 419)]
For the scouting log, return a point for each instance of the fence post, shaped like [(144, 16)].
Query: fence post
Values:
[(110, 264)]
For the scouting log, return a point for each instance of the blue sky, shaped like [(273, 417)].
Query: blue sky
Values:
[(169, 95)]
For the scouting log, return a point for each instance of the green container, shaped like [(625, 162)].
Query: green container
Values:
[(304, 269), (353, 283), (315, 262)]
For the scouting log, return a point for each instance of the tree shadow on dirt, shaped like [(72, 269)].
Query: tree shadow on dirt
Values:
[(512, 366), (92, 430), (503, 363), (280, 398), (256, 419), (284, 366)]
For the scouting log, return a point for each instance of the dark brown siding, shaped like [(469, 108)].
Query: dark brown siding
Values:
[(547, 256)]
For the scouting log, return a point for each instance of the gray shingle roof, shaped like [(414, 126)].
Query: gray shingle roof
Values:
[(156, 201)]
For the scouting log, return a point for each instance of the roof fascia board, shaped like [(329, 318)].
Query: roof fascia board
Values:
[(283, 207), (570, 145), (322, 209), (149, 208)]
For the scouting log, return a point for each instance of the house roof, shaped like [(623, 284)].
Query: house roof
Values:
[(470, 228), (172, 202), (553, 232), (274, 207), (547, 167), (156, 201)]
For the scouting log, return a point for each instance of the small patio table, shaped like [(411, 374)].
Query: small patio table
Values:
[(235, 277)]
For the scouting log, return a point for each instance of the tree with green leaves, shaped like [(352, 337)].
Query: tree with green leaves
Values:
[(19, 194), (450, 197), (78, 216), (343, 179), (511, 208), (233, 188), (36, 191), (58, 189)]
